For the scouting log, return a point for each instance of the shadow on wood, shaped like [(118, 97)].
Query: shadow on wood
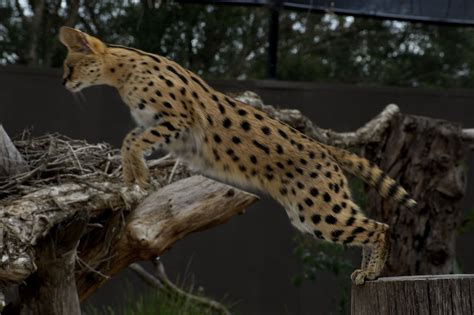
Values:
[(430, 295)]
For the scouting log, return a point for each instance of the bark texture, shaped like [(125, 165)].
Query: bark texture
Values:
[(164, 217), (426, 157), (421, 295), (52, 288), (11, 161)]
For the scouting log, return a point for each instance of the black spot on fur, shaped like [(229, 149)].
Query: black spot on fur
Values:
[(349, 239), (200, 83), (221, 108), (336, 208), (318, 234), (358, 230), (279, 149), (230, 102), (282, 133), (236, 140), (227, 123), (316, 218), (266, 130), (209, 120), (336, 233), (168, 126), (245, 125), (258, 116), (262, 147), (350, 221), (330, 219), (392, 190)]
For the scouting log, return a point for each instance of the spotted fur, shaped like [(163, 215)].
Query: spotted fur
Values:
[(178, 111)]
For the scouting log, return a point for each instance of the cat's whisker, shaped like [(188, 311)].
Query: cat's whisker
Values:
[(77, 101), (83, 99)]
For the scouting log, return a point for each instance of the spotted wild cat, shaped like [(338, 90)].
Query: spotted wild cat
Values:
[(178, 111)]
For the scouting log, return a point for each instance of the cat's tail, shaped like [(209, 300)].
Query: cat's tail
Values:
[(372, 175)]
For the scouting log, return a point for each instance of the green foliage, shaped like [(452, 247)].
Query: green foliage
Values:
[(317, 257), (468, 223), (153, 302), (359, 194), (231, 41)]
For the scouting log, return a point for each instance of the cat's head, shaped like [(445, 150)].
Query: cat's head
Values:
[(85, 61)]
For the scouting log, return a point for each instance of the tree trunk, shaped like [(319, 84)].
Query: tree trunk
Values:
[(425, 156), (421, 295), (52, 288)]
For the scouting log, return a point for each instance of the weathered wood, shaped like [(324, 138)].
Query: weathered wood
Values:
[(164, 217), (27, 220), (52, 288), (11, 161), (421, 295), (426, 156)]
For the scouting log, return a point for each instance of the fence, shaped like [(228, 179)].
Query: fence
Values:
[(250, 258)]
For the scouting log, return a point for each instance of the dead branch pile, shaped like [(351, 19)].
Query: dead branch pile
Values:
[(55, 159)]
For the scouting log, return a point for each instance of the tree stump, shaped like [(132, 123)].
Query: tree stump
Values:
[(426, 156), (430, 295)]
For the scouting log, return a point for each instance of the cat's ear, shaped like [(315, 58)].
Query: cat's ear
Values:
[(79, 42)]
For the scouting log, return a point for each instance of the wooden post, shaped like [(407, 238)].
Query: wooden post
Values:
[(430, 295)]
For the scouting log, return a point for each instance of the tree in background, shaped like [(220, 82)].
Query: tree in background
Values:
[(230, 41)]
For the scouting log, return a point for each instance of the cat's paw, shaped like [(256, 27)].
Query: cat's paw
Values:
[(135, 171), (359, 276)]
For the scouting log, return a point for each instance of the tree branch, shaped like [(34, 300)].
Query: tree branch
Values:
[(163, 283), (189, 205), (370, 132)]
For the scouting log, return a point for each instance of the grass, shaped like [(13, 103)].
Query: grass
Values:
[(153, 302)]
